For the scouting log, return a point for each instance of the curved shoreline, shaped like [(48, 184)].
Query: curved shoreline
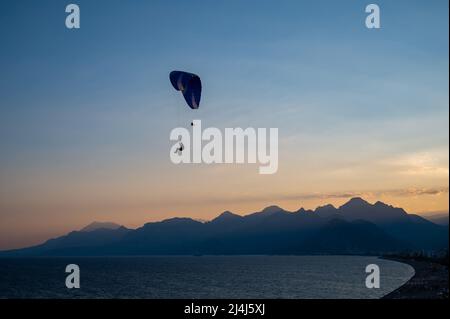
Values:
[(430, 281)]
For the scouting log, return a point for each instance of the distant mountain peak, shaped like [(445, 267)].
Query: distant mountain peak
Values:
[(381, 204), (272, 209), (266, 212), (226, 215), (326, 207), (100, 225), (357, 208), (327, 211), (304, 211), (178, 220), (356, 202), (359, 200)]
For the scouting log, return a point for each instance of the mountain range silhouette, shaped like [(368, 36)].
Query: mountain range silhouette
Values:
[(356, 227)]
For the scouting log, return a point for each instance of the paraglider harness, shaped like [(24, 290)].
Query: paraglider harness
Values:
[(180, 149)]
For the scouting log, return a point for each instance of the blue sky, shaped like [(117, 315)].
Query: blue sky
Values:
[(256, 60), (91, 109)]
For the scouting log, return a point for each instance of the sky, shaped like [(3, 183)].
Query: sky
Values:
[(85, 115)]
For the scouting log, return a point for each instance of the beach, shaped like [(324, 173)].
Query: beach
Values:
[(430, 281)]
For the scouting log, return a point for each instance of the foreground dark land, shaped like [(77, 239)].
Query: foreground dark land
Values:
[(429, 282)]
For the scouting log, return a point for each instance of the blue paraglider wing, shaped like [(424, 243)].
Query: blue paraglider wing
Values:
[(190, 86)]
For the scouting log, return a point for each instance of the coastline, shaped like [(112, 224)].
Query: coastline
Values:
[(430, 280)]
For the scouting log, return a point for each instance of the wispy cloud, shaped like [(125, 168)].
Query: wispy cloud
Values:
[(406, 192)]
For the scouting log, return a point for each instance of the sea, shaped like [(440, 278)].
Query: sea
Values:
[(201, 277)]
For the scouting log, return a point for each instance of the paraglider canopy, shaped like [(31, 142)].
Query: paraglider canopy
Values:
[(190, 86)]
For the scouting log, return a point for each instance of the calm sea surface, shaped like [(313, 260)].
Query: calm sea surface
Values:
[(201, 277)]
